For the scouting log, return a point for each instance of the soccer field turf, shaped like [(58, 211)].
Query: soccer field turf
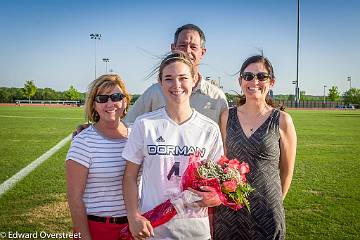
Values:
[(323, 201)]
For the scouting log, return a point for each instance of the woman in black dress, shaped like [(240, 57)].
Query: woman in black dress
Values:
[(265, 138)]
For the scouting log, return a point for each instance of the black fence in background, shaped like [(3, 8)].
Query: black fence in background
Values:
[(310, 104)]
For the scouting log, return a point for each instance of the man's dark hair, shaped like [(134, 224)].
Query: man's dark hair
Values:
[(193, 28)]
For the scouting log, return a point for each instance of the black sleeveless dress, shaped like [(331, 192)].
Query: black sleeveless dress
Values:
[(261, 151)]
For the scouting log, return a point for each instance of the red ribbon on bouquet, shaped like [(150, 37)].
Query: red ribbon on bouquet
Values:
[(161, 214)]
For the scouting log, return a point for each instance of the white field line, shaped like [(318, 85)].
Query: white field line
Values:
[(29, 168), (9, 116)]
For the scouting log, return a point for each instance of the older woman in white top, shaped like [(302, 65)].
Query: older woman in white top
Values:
[(94, 165)]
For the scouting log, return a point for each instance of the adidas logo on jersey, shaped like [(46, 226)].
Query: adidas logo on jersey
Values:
[(160, 139)]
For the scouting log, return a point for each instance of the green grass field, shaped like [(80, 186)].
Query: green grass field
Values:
[(323, 202)]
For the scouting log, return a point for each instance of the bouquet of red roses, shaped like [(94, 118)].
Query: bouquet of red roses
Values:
[(227, 177)]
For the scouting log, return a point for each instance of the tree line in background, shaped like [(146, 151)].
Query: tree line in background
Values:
[(352, 96), (31, 92)]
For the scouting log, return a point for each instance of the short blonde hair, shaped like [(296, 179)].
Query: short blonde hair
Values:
[(100, 84)]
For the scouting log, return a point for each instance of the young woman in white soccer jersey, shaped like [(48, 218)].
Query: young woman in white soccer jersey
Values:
[(162, 141)]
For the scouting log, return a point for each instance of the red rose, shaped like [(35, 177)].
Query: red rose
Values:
[(234, 164), (244, 168), (230, 186), (243, 178), (222, 161)]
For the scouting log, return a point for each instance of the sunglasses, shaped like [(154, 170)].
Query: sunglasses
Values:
[(261, 76), (115, 97)]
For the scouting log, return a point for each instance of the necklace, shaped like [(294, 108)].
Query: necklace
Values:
[(254, 122)]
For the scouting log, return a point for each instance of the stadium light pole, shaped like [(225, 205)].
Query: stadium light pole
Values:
[(95, 36), (297, 97), (324, 94), (349, 79), (106, 60)]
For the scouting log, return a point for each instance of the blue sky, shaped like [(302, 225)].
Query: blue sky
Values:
[(48, 41)]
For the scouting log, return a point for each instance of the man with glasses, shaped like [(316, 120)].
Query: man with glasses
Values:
[(206, 98)]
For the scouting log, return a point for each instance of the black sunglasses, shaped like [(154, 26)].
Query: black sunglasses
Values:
[(115, 97), (261, 76)]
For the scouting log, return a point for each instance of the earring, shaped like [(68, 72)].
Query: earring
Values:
[(124, 113), (96, 115)]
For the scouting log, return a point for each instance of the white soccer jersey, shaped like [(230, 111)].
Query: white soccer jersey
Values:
[(102, 156), (163, 147)]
